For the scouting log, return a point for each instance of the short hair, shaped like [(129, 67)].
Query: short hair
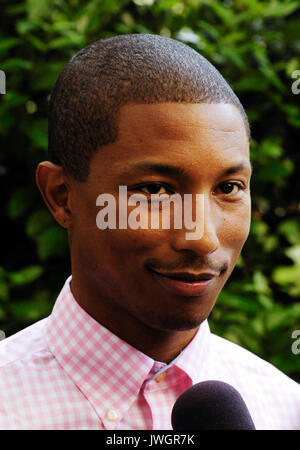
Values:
[(113, 72)]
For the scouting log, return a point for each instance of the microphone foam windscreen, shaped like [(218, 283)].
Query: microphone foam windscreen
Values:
[(211, 405)]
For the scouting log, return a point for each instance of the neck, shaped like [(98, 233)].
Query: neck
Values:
[(160, 345)]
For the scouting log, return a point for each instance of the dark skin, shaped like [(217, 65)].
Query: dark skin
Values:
[(111, 277)]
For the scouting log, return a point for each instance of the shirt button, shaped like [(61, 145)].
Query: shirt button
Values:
[(112, 414), (160, 377)]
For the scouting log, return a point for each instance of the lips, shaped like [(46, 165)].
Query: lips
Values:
[(186, 276), (185, 283)]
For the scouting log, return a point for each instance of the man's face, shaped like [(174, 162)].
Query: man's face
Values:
[(130, 272)]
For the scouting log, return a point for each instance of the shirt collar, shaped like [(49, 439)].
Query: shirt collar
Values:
[(192, 359), (106, 369)]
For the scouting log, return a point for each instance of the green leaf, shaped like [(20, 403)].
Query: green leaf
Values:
[(37, 43), (260, 283), (271, 147), (19, 203), (290, 229), (4, 288), (37, 9), (258, 227), (52, 242), (252, 83), (224, 13), (7, 44), (275, 170), (16, 64), (285, 275), (38, 222), (279, 9), (294, 254), (266, 301), (24, 26), (239, 302), (29, 310), (37, 131), (45, 76), (26, 275), (280, 318), (11, 100), (186, 34)]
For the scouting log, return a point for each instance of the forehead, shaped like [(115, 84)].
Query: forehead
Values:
[(179, 121), (201, 138)]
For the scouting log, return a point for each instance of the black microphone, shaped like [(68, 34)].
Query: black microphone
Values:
[(211, 405)]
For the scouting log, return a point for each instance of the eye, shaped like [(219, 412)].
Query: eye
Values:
[(154, 188), (231, 188)]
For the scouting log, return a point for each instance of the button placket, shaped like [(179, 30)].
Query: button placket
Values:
[(112, 415)]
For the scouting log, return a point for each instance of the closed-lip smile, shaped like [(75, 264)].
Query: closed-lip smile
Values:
[(185, 283)]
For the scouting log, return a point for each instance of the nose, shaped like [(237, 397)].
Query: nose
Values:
[(208, 241)]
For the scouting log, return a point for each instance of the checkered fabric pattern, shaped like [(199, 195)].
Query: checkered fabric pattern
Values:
[(69, 372)]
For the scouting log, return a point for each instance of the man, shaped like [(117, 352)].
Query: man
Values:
[(128, 333)]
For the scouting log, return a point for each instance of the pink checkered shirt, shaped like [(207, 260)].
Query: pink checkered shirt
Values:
[(69, 372)]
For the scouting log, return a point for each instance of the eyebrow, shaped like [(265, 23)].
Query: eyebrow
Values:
[(245, 164), (167, 169), (163, 169)]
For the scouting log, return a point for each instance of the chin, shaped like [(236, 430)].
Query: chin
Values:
[(173, 323)]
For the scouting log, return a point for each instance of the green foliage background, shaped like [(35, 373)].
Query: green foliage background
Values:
[(256, 46)]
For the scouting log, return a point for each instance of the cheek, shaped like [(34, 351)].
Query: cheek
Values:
[(114, 246), (236, 227), (131, 243)]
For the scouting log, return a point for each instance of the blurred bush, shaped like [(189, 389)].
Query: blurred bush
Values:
[(256, 46)]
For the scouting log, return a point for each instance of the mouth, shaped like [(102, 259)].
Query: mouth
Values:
[(185, 283)]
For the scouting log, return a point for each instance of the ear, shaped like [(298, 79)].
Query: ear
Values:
[(52, 183)]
